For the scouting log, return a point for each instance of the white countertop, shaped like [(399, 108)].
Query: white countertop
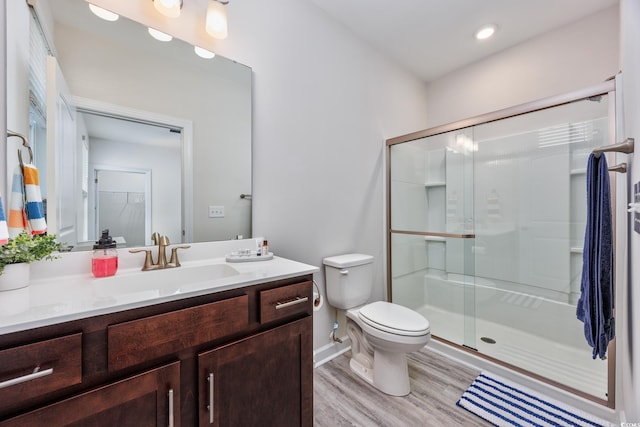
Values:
[(54, 297)]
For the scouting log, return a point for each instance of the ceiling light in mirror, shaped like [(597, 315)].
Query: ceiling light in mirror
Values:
[(169, 8), (485, 32), (159, 35), (103, 13), (203, 53), (216, 23)]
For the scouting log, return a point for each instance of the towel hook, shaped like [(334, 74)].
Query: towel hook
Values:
[(624, 147), (25, 144)]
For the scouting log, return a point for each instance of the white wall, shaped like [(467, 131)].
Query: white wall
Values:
[(560, 61), (629, 334), (3, 95), (17, 76), (324, 103)]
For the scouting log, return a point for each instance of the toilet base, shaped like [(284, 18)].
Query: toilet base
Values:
[(390, 373)]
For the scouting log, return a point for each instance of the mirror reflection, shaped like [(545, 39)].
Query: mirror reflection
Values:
[(139, 135)]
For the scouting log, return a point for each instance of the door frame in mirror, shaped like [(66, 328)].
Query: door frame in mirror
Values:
[(104, 108)]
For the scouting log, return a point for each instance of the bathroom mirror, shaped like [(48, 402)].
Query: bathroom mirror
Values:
[(191, 177)]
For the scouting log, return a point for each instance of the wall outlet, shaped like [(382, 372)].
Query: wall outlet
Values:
[(216, 211)]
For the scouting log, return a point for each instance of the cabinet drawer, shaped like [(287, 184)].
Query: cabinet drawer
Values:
[(141, 340), (33, 370), (285, 301)]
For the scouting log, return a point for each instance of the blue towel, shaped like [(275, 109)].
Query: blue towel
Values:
[(595, 306)]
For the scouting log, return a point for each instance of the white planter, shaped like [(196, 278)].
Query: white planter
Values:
[(14, 276)]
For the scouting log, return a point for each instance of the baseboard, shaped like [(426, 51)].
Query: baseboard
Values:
[(330, 351)]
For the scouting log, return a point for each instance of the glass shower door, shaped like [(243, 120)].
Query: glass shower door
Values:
[(530, 217), (431, 232)]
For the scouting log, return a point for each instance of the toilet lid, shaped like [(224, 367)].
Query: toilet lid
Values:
[(394, 318)]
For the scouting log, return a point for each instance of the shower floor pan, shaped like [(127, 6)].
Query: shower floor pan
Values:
[(566, 364)]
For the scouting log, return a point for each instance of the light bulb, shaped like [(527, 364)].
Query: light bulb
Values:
[(159, 35), (169, 8), (103, 13), (486, 32), (216, 23), (203, 53)]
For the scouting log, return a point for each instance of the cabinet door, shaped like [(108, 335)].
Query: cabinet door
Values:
[(263, 380), (149, 399)]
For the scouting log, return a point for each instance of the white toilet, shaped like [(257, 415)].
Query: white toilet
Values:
[(381, 333)]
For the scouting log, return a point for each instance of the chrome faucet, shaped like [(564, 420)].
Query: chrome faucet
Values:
[(162, 242)]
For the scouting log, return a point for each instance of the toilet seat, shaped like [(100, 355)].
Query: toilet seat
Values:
[(394, 319)]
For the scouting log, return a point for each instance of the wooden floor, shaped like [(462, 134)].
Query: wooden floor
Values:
[(343, 399)]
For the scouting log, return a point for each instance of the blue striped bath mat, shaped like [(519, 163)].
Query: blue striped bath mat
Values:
[(503, 403)]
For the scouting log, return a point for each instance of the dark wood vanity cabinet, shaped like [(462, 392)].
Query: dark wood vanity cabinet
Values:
[(235, 358), (258, 381), (148, 399)]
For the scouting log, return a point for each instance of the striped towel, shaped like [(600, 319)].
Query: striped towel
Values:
[(4, 231), (17, 220), (33, 207)]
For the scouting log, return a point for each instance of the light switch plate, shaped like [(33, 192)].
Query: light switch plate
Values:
[(216, 211)]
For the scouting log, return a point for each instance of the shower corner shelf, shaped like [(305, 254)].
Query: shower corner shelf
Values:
[(435, 239), (581, 171), (435, 184), (576, 250)]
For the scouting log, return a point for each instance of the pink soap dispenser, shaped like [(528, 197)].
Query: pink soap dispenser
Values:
[(105, 256)]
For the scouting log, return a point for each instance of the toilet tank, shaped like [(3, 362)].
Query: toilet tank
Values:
[(349, 279)]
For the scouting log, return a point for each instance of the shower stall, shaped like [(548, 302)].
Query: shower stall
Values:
[(486, 221)]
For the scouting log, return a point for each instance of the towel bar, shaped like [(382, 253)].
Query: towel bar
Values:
[(622, 168), (623, 147)]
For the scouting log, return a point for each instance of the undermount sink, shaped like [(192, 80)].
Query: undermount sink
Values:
[(161, 282)]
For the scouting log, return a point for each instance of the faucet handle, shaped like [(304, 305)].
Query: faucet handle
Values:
[(174, 255), (155, 237), (148, 258)]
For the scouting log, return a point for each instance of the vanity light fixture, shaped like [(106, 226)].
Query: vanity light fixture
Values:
[(159, 35), (103, 13), (169, 8), (203, 53), (486, 31), (216, 22)]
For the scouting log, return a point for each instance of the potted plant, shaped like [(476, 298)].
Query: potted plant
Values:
[(16, 255)]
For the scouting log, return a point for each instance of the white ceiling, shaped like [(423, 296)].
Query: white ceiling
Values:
[(433, 37)]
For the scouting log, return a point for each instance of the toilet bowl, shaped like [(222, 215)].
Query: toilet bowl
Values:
[(381, 333), (388, 332)]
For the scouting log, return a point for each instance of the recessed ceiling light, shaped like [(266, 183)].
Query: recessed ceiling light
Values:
[(486, 31), (103, 13), (159, 35), (203, 53)]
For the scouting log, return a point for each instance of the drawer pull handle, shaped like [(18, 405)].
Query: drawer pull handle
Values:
[(210, 405), (170, 407), (298, 300), (37, 373)]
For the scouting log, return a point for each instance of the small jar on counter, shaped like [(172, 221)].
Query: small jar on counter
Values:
[(105, 256)]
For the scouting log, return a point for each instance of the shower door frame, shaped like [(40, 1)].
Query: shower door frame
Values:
[(605, 88)]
